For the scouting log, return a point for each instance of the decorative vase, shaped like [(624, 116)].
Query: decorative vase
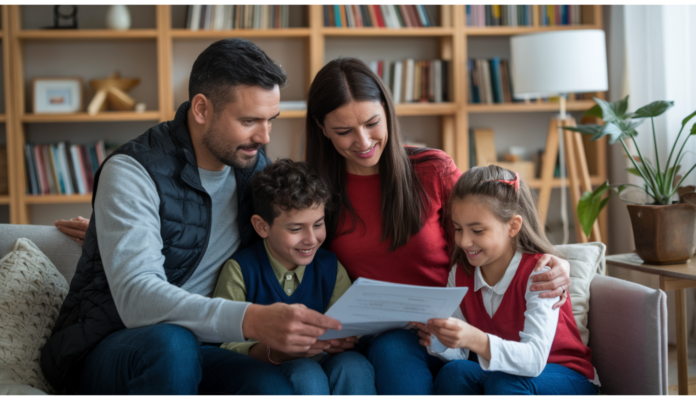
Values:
[(663, 234), (118, 17)]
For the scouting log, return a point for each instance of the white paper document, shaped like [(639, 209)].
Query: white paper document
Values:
[(369, 307)]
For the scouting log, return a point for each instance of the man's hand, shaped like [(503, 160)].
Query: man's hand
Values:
[(556, 280), (74, 228), (291, 329)]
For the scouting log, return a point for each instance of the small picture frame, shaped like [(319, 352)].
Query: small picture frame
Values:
[(57, 95)]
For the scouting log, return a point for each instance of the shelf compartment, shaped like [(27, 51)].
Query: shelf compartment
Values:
[(106, 116), (435, 31), (86, 34), (57, 198), (536, 183), (519, 30), (4, 199), (579, 105), (417, 109), (243, 33), (3, 118), (288, 114)]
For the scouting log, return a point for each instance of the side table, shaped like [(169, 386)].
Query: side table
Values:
[(677, 277)]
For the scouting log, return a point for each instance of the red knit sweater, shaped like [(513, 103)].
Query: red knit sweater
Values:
[(508, 321), (424, 260)]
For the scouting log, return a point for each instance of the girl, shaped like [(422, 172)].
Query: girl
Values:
[(524, 346)]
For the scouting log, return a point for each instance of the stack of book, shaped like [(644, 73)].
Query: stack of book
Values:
[(489, 81), (554, 15), (414, 81), (223, 17), (62, 168), (377, 16), (499, 15)]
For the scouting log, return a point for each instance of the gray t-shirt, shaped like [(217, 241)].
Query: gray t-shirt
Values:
[(126, 208)]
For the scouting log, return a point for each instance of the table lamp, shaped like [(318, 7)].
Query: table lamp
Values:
[(556, 63)]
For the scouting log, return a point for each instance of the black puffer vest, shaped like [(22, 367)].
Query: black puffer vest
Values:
[(88, 314)]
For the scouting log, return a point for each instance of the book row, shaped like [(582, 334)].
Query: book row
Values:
[(62, 168), (490, 81), (223, 17), (499, 15), (555, 15), (377, 16), (412, 81)]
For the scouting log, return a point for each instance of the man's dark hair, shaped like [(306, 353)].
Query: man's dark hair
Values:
[(287, 185), (232, 62)]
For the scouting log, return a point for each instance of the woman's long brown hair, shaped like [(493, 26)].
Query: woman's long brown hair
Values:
[(505, 202), (340, 82)]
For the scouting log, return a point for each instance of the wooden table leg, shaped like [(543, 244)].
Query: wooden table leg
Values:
[(682, 351)]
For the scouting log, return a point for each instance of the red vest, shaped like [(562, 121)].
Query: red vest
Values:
[(508, 321)]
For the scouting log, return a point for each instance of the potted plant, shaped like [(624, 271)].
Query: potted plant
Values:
[(663, 230)]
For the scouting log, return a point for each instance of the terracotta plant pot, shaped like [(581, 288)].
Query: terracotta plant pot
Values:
[(663, 234)]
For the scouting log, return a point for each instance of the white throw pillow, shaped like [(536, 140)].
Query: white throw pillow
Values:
[(31, 293), (585, 260)]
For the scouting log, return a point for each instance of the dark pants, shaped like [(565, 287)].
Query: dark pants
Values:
[(167, 359)]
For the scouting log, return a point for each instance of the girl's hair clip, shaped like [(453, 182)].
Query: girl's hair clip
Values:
[(513, 182)]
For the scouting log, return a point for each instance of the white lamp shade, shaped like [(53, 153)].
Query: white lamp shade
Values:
[(553, 63)]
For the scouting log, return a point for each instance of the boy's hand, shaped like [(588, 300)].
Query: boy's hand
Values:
[(452, 332), (341, 345)]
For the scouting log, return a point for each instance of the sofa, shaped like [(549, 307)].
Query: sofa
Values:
[(625, 324)]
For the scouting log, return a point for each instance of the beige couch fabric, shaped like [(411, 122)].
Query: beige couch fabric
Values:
[(31, 293)]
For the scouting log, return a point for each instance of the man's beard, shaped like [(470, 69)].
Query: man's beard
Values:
[(224, 152)]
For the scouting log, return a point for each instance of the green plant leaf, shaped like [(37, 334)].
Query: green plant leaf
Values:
[(654, 109), (615, 111), (687, 119), (589, 207), (595, 111), (618, 129)]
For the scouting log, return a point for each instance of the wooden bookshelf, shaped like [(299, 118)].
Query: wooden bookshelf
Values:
[(581, 105), (106, 116), (450, 38), (241, 33), (57, 198), (86, 34)]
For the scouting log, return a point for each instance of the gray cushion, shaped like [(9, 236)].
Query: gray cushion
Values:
[(628, 326), (62, 251)]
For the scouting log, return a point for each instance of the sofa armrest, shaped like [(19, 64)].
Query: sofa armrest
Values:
[(628, 336)]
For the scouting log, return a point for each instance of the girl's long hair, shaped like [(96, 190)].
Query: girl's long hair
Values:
[(403, 199), (505, 202)]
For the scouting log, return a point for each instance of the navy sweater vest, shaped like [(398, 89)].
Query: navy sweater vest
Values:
[(315, 290)]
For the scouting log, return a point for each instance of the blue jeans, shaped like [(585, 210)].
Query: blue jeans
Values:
[(402, 365), (167, 359), (347, 373), (467, 377)]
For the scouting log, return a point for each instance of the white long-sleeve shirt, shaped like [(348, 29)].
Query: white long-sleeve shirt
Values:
[(527, 357)]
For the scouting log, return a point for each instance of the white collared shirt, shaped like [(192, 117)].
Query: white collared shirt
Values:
[(527, 357)]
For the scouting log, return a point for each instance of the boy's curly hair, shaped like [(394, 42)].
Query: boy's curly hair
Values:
[(287, 185)]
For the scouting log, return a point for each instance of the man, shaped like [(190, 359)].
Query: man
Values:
[(170, 207)]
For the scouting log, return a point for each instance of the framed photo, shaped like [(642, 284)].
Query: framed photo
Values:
[(57, 95)]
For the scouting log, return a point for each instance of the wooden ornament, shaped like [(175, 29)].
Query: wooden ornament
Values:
[(110, 93)]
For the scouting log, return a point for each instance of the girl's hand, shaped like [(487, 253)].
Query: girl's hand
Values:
[(452, 332), (556, 280), (425, 340)]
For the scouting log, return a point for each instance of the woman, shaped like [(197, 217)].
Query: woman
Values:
[(391, 223)]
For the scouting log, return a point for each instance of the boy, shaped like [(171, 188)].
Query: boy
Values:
[(290, 266)]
